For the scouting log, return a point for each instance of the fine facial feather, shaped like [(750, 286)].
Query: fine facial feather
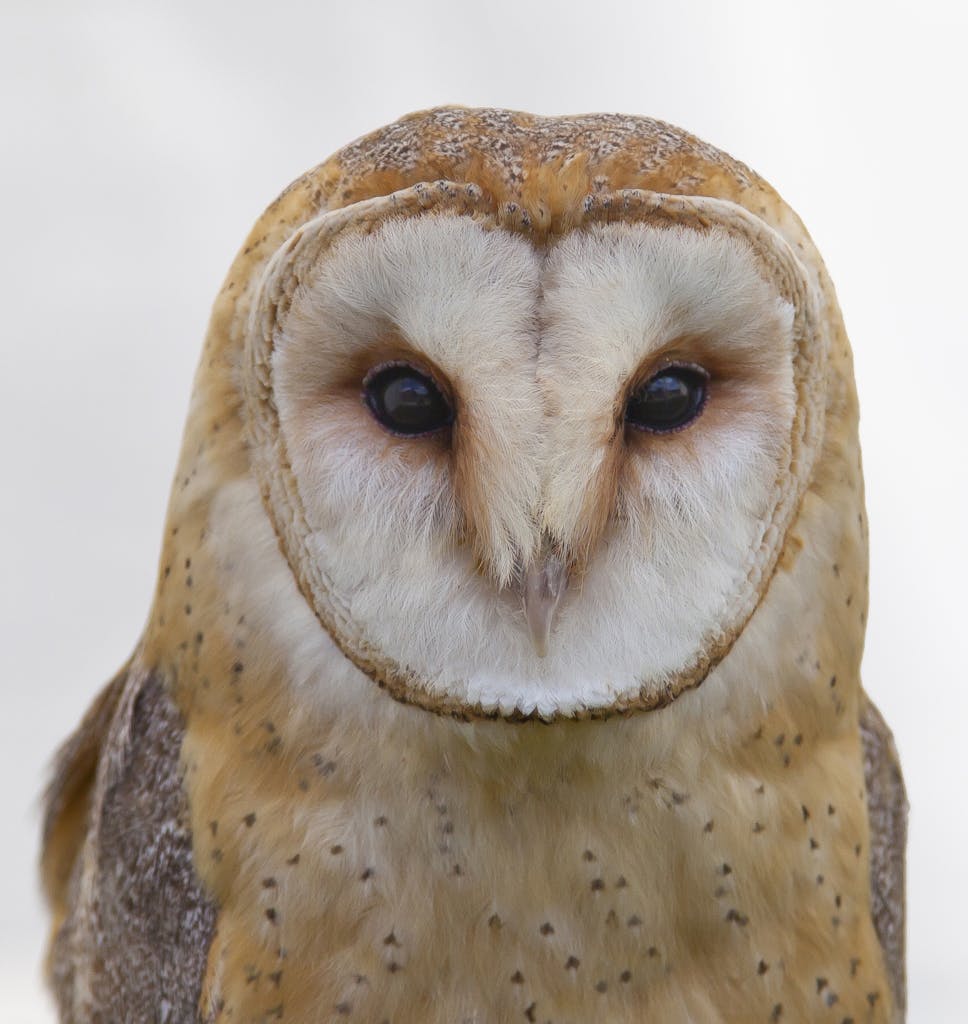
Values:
[(537, 350), (464, 299)]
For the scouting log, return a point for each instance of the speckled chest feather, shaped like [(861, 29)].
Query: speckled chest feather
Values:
[(249, 811)]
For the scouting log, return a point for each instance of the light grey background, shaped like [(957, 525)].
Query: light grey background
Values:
[(140, 140)]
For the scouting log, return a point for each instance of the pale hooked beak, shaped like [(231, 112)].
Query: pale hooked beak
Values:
[(544, 585)]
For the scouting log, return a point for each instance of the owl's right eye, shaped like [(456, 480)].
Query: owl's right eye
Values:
[(405, 400)]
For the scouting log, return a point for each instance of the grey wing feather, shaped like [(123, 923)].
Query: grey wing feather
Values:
[(887, 811), (132, 922)]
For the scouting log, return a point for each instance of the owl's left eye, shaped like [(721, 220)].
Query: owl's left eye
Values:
[(405, 400), (669, 400)]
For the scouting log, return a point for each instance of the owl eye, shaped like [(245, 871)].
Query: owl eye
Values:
[(669, 401), (405, 400)]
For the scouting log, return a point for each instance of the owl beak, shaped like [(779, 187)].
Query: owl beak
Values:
[(543, 586)]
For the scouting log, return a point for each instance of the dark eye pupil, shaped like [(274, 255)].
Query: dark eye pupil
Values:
[(406, 401), (668, 401)]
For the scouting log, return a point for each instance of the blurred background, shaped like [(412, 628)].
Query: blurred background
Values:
[(140, 140)]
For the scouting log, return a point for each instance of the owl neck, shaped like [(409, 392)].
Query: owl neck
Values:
[(592, 870), (607, 864)]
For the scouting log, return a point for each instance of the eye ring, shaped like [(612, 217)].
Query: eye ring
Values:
[(671, 399), (406, 400)]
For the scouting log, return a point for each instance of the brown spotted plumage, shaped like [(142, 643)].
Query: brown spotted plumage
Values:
[(278, 813)]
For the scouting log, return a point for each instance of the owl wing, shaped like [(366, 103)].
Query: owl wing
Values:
[(887, 810), (67, 800), (132, 925)]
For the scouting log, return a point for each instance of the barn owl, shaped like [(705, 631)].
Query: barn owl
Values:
[(504, 658)]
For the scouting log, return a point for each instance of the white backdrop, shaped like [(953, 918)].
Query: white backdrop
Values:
[(140, 140)]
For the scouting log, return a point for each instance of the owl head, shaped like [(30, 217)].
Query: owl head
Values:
[(531, 405)]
